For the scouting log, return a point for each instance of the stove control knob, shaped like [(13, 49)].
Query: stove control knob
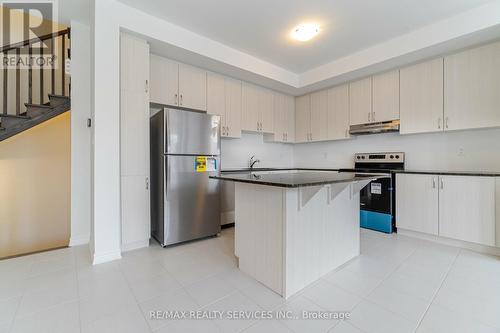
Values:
[(358, 157), (397, 156), (392, 156), (362, 157)]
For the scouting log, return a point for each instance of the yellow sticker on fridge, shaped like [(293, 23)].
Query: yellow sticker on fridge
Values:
[(205, 164)]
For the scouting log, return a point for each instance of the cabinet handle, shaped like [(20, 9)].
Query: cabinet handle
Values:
[(369, 113), (446, 122), (433, 182), (176, 100), (147, 183), (227, 130), (442, 183), (146, 88), (181, 99), (373, 116), (439, 123)]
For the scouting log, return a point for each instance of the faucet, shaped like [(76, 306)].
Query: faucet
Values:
[(252, 162)]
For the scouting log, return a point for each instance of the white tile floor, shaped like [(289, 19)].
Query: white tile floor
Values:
[(398, 284)]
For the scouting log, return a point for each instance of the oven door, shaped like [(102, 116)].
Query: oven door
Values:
[(376, 205)]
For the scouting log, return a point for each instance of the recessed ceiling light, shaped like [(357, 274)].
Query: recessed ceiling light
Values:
[(305, 31)]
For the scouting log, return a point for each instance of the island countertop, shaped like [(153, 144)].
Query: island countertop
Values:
[(296, 178)]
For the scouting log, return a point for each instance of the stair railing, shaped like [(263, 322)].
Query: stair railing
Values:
[(15, 48)]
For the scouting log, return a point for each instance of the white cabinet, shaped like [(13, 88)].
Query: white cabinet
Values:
[(458, 207), (319, 116), (472, 88), (257, 109), (302, 118), (178, 84), (164, 80), (360, 101), (417, 203), (192, 87), (421, 93), (385, 96), (338, 113), (224, 99), (284, 118), (134, 142), (467, 208)]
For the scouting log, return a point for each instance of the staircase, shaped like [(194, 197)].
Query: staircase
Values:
[(31, 95)]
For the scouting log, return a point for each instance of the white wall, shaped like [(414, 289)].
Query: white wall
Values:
[(458, 151), (235, 153), (80, 134)]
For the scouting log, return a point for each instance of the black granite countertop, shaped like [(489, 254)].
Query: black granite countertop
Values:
[(451, 173), (298, 178)]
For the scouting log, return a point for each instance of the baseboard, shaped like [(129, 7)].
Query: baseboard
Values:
[(79, 240), (452, 242), (135, 245), (227, 217), (106, 257)]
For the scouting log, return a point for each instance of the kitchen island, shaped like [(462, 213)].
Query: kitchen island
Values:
[(292, 227)]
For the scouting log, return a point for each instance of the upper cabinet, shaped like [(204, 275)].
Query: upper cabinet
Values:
[(224, 99), (164, 81), (319, 116), (338, 112), (360, 101), (177, 84), (257, 109), (385, 96), (192, 87), (284, 118), (421, 89), (472, 88), (302, 118)]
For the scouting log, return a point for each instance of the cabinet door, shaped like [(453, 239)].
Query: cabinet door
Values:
[(289, 118), (233, 108), (134, 142), (471, 88), (135, 211), (192, 87), (250, 107), (266, 111), (385, 95), (319, 115), (216, 94), (360, 101), (421, 93), (280, 121), (164, 81), (338, 112), (417, 203), (467, 208), (302, 118)]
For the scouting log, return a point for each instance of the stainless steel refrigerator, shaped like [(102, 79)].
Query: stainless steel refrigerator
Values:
[(185, 151)]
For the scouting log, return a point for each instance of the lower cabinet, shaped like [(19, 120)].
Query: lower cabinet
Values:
[(417, 203), (458, 207)]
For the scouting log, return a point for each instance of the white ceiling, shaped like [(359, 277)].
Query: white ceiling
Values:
[(261, 28)]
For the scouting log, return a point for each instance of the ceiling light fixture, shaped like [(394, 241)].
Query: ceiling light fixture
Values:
[(305, 31)]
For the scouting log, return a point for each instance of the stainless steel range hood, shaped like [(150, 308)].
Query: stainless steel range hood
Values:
[(373, 128)]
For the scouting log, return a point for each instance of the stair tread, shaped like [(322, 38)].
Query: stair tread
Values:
[(38, 106), (13, 116), (59, 96)]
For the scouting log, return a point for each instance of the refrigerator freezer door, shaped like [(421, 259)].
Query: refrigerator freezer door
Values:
[(191, 133), (192, 201)]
